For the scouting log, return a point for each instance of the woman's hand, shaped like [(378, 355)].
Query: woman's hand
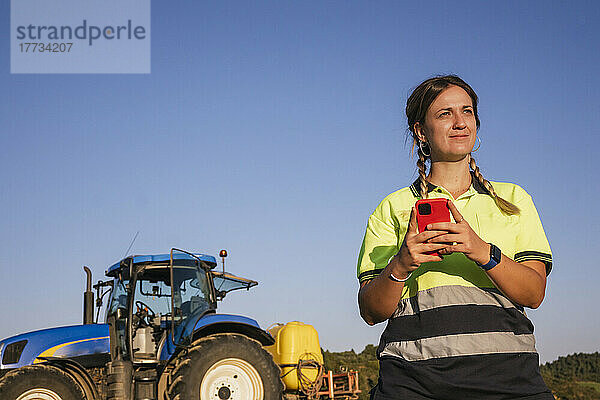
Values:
[(414, 248), (460, 238), (378, 298)]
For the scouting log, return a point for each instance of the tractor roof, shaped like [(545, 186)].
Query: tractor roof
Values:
[(158, 258)]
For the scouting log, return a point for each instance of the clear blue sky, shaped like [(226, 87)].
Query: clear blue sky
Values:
[(273, 129)]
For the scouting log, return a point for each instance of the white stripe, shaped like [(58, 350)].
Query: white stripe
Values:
[(451, 295), (460, 345)]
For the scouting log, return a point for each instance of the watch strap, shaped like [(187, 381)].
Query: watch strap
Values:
[(495, 257)]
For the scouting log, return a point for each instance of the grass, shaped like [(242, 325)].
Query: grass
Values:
[(593, 385)]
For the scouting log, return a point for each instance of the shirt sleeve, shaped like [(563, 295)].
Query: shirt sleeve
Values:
[(380, 242), (531, 243)]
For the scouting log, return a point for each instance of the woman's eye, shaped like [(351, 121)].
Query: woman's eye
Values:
[(444, 113), (469, 111)]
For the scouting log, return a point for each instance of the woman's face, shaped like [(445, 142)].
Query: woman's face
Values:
[(450, 128)]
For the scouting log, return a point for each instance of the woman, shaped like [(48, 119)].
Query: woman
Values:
[(455, 293)]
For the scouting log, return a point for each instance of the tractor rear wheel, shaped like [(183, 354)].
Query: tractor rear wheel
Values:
[(226, 367), (39, 382)]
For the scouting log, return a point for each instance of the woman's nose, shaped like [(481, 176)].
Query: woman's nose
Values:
[(459, 121)]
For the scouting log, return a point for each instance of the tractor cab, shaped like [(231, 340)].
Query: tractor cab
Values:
[(156, 302)]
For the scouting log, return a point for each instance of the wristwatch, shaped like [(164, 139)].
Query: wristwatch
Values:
[(495, 257)]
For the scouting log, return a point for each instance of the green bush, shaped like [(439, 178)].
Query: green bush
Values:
[(572, 377)]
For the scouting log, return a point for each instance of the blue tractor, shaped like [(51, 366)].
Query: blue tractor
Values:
[(162, 340)]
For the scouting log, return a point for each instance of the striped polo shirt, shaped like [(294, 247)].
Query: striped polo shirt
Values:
[(454, 335)]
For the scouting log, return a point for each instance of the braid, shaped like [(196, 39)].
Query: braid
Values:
[(505, 206), (422, 173)]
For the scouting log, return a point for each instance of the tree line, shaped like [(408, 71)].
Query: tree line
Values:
[(576, 376)]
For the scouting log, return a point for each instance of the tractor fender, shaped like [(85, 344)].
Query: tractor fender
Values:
[(251, 331), (77, 372), (211, 324)]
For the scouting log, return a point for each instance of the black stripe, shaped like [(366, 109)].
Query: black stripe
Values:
[(414, 190), (453, 320), (523, 258), (416, 187), (535, 255), (369, 274), (488, 376)]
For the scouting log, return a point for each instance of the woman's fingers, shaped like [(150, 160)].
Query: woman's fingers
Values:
[(421, 252), (413, 227), (453, 248), (428, 235), (458, 218), (448, 238), (446, 226), (427, 247), (431, 258)]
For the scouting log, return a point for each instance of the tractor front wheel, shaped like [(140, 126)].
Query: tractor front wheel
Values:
[(226, 367), (39, 382)]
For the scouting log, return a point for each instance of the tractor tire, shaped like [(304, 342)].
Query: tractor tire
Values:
[(39, 382), (225, 366)]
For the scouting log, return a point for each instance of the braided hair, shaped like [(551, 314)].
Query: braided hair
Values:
[(505, 206), (416, 109)]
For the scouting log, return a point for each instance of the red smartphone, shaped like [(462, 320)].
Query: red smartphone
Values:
[(430, 211)]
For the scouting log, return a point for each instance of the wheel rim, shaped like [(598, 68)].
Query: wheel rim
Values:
[(39, 394), (232, 379)]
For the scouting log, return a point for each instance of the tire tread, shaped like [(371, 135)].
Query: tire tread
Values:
[(11, 381)]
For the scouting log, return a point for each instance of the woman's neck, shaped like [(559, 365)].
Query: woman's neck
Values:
[(453, 176)]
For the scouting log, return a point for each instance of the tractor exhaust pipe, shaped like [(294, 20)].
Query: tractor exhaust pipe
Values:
[(88, 299)]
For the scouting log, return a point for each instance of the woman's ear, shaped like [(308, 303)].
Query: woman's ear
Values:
[(418, 129)]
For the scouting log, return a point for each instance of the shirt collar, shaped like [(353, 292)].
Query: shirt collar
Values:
[(475, 185)]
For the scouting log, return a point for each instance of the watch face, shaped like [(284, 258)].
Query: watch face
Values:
[(496, 254)]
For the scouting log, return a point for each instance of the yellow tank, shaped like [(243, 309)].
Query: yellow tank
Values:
[(294, 341)]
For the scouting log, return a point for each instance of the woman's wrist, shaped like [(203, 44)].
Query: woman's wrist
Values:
[(483, 256), (395, 268), (394, 278)]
